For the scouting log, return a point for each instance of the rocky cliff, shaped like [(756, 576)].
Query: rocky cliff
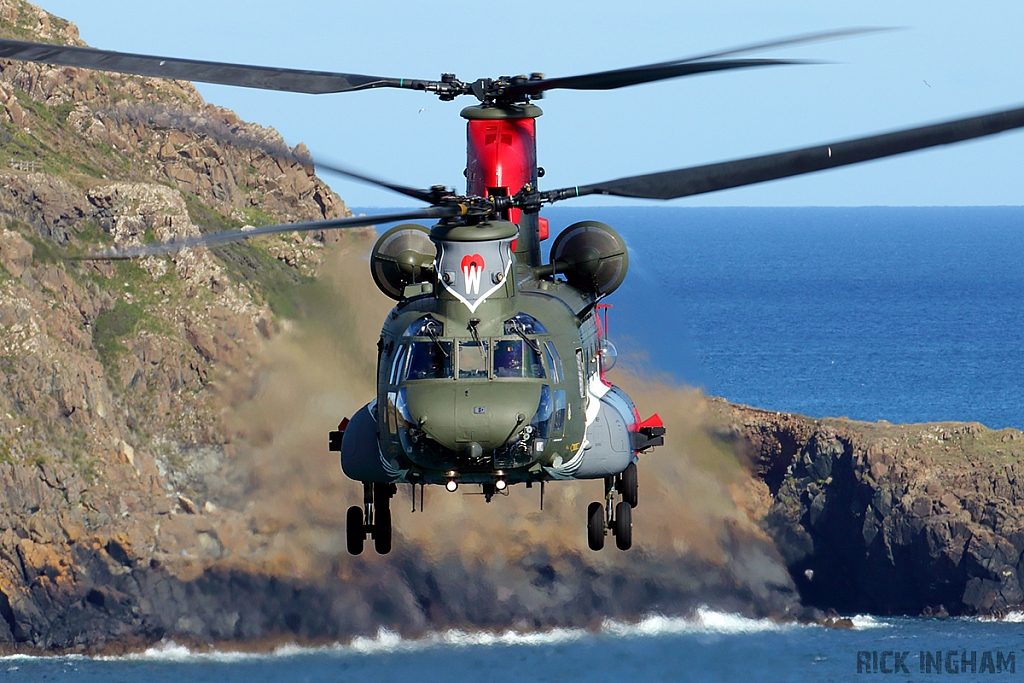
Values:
[(163, 462), (890, 519)]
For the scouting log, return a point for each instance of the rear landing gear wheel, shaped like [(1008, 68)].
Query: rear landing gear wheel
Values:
[(355, 534), (382, 530), (623, 526), (628, 485), (595, 526)]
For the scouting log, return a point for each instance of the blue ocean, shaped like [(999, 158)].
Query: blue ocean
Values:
[(898, 314), (708, 647), (875, 313)]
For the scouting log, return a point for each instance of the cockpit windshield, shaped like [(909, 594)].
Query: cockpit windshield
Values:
[(514, 358), (430, 360), (473, 360)]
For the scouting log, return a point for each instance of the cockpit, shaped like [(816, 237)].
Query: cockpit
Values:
[(502, 392), (515, 355)]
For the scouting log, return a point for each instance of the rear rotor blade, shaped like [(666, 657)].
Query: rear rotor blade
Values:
[(685, 182), (267, 78), (236, 235), (423, 195)]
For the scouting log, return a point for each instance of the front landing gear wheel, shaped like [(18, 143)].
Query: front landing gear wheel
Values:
[(382, 530), (595, 526), (380, 521), (629, 485), (623, 526), (355, 534)]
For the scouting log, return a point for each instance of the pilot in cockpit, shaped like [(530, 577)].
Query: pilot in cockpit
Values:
[(508, 359)]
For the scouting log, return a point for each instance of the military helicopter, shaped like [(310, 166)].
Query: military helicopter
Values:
[(491, 366)]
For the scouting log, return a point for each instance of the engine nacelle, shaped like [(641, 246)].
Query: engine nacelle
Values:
[(591, 256), (403, 255)]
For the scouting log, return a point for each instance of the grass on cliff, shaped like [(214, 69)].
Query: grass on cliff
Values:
[(47, 141), (114, 325), (24, 24), (249, 263), (131, 313)]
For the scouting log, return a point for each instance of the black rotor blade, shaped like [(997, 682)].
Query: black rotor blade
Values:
[(236, 235), (267, 78), (621, 78), (792, 40), (423, 195), (685, 182)]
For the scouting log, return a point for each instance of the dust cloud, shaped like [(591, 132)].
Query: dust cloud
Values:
[(692, 545)]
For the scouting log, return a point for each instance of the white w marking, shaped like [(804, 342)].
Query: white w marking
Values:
[(473, 275)]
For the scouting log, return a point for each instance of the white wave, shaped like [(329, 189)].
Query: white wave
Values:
[(534, 638), (705, 620), (389, 641), (862, 621), (1009, 618), (384, 641), (170, 651)]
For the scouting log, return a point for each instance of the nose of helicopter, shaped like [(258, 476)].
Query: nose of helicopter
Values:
[(459, 414)]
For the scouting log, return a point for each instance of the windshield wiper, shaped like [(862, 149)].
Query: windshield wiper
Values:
[(432, 333), (517, 328)]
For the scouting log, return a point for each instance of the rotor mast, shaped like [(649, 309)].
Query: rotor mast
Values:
[(501, 150)]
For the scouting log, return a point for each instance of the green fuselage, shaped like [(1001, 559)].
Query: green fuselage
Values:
[(502, 395)]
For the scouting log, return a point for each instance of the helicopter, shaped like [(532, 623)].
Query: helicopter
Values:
[(491, 367)]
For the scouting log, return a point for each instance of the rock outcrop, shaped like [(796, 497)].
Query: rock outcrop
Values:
[(891, 519)]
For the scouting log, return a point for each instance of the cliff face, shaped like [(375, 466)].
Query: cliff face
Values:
[(875, 517), (107, 417), (163, 462)]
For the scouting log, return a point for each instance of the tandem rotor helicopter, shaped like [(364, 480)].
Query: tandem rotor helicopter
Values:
[(491, 366)]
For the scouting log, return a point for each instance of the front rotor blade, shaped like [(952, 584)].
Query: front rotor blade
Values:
[(267, 78), (621, 78), (792, 40), (236, 235), (685, 182)]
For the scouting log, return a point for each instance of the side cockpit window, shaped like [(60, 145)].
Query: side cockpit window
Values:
[(430, 360), (554, 362), (396, 367)]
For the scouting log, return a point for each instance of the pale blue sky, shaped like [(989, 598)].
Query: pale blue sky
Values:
[(970, 55)]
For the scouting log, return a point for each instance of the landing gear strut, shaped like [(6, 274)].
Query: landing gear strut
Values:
[(607, 516), (374, 519)]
